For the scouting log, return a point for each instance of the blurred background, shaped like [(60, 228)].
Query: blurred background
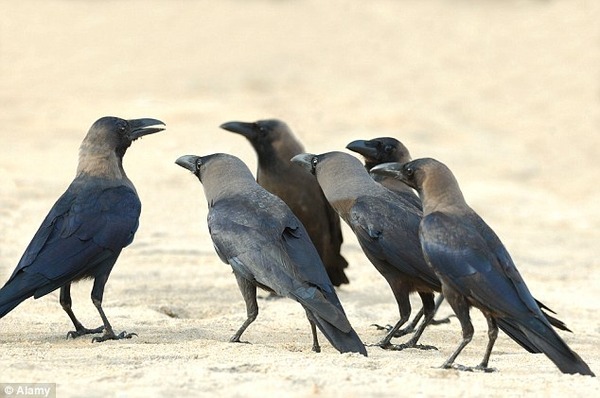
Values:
[(507, 93)]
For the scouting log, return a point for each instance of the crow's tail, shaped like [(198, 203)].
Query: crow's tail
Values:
[(538, 336), (19, 288), (343, 341)]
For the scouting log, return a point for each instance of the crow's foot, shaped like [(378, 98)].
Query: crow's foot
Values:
[(236, 339), (463, 368), (83, 331), (112, 336), (399, 333), (400, 347)]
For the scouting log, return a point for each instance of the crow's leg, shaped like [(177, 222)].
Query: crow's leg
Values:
[(313, 328), (460, 306), (404, 308), (492, 336), (438, 303), (248, 291), (413, 325), (66, 302), (97, 294), (429, 311)]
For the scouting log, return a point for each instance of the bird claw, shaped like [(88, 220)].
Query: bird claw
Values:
[(236, 339), (485, 369), (392, 347), (463, 368), (113, 336), (399, 333), (409, 329), (400, 347), (125, 335), (383, 345), (423, 347), (83, 331), (387, 327)]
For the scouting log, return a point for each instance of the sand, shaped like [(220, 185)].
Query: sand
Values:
[(506, 93)]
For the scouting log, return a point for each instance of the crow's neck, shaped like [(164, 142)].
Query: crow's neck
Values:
[(101, 164)]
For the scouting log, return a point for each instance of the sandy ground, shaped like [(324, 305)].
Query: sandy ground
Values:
[(504, 92)]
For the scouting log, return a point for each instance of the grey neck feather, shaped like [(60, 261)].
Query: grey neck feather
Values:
[(96, 159), (343, 177), (226, 176), (440, 192)]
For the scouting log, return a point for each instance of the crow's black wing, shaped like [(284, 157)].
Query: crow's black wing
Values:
[(271, 248), (457, 251), (81, 226), (388, 232)]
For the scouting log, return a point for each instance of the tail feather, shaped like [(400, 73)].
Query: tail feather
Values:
[(19, 288), (335, 270), (557, 323), (541, 336), (342, 341), (517, 335)]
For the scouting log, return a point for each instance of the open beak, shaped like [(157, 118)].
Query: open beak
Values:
[(141, 127)]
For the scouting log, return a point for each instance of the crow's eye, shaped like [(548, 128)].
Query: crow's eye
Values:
[(313, 163), (198, 164), (388, 148), (122, 127), (259, 127), (409, 172)]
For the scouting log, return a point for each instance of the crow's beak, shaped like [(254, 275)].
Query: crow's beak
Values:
[(392, 169), (189, 162), (248, 130), (141, 127), (306, 161), (365, 148)]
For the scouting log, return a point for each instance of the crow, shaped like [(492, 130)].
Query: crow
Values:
[(266, 245), (476, 269), (383, 150), (275, 145), (86, 229), (387, 228)]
